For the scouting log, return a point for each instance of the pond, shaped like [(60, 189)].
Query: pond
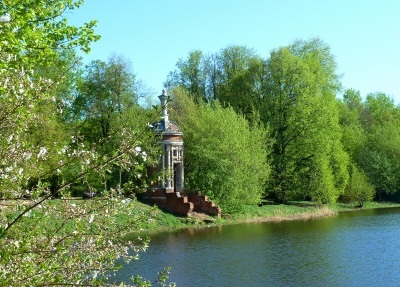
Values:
[(359, 248)]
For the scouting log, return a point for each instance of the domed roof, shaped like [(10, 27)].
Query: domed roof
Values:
[(166, 126)]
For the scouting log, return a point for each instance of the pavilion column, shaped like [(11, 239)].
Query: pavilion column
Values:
[(163, 166), (168, 167)]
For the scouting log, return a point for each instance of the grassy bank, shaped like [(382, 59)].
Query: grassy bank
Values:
[(162, 221)]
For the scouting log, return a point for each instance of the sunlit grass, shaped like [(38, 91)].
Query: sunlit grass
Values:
[(161, 220), (299, 210)]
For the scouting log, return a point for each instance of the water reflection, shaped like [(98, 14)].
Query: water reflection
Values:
[(351, 249)]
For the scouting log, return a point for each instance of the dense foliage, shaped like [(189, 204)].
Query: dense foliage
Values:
[(253, 127), (225, 157), (45, 152), (321, 145)]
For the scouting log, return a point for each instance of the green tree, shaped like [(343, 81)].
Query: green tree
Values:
[(379, 156), (47, 242), (233, 76), (359, 189), (241, 76), (351, 110), (106, 91), (106, 110), (34, 32), (225, 157), (299, 104), (190, 74)]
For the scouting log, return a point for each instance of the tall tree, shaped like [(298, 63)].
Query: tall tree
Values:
[(299, 104), (107, 91), (379, 156), (106, 108), (351, 110), (190, 74), (233, 76), (242, 73)]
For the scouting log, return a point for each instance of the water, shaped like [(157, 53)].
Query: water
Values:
[(352, 249)]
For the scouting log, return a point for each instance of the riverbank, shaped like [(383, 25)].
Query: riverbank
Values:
[(268, 212)]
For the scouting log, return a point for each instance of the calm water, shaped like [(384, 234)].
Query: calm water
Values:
[(352, 249)]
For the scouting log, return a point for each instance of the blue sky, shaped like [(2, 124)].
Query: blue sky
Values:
[(364, 36)]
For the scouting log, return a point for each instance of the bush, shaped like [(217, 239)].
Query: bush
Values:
[(359, 189), (225, 157)]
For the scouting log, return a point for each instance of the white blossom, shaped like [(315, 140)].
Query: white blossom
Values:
[(91, 218), (27, 155), (42, 152), (5, 18)]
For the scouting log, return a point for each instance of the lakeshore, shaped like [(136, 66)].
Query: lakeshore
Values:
[(164, 221)]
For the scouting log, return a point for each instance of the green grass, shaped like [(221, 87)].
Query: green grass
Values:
[(299, 210), (163, 221)]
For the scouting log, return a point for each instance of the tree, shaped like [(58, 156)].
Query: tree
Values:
[(379, 156), (371, 137), (351, 110), (241, 76), (105, 108), (225, 157), (299, 105), (191, 75), (36, 31), (45, 242), (233, 76), (106, 92), (359, 189)]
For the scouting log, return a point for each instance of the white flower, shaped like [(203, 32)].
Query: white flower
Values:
[(42, 152), (91, 218), (27, 155), (5, 18), (144, 155)]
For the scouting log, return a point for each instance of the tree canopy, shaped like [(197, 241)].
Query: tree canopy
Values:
[(225, 157)]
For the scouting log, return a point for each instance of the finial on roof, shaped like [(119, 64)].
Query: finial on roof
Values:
[(164, 100)]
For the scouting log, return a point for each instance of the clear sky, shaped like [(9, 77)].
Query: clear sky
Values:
[(364, 35)]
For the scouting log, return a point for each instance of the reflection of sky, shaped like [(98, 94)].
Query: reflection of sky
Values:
[(346, 250)]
